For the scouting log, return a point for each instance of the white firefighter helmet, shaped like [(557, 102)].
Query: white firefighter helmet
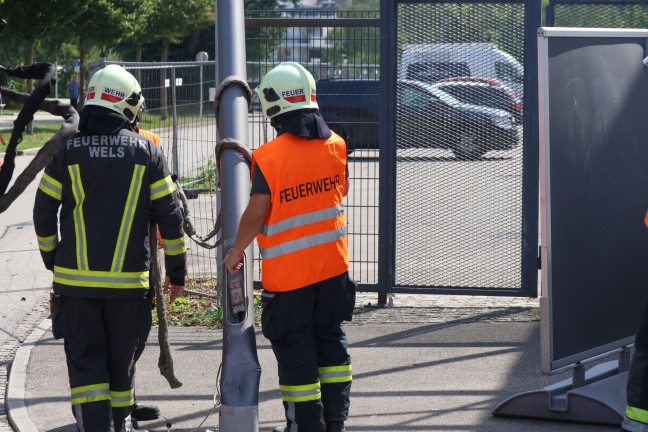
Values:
[(287, 87), (115, 88)]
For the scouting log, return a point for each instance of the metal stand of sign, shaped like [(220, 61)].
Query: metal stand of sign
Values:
[(596, 396)]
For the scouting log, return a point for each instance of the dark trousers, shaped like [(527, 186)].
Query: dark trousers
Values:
[(74, 102), (304, 328), (101, 336), (637, 386)]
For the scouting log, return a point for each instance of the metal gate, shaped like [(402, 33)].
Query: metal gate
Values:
[(463, 177)]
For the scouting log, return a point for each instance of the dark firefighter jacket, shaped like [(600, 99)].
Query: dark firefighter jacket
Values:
[(107, 181)]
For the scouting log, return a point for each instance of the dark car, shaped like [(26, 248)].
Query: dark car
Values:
[(426, 117), (350, 108), (483, 93)]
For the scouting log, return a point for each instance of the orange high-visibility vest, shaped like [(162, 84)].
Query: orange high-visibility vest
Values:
[(303, 240), (156, 140), (150, 135)]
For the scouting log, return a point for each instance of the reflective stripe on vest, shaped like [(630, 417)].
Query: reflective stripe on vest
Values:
[(120, 399), (101, 279), (47, 244), (79, 221), (51, 186), (303, 243), (127, 218), (301, 220), (335, 374), (90, 393), (301, 393)]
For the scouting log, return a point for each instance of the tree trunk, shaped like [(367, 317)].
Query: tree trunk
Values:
[(31, 53), (138, 58), (164, 112), (82, 79)]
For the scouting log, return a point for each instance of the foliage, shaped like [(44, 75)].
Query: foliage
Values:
[(205, 179), (191, 310), (42, 134)]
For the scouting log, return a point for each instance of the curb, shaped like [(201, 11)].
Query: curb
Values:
[(28, 152), (16, 408)]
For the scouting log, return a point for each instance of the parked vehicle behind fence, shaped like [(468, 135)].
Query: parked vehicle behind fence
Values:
[(436, 61), (427, 117), (484, 93)]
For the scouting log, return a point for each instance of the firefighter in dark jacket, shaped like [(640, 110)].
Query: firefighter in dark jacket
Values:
[(106, 182), (296, 214)]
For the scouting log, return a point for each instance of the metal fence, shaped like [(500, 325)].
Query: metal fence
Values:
[(179, 108), (443, 187)]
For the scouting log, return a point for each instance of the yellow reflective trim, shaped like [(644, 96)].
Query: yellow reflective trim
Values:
[(47, 244), (102, 386), (335, 374), (299, 387), (79, 220), (300, 393), (101, 279), (51, 186), (174, 246), (637, 414), (127, 218), (89, 393), (339, 368), (162, 188), (120, 399), (86, 399)]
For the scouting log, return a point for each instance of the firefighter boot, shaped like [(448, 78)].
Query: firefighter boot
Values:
[(143, 412), (335, 426)]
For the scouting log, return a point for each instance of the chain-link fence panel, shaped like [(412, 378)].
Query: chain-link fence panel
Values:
[(342, 51), (459, 152), (179, 108)]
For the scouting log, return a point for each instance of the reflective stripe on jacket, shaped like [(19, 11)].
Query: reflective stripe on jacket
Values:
[(304, 239)]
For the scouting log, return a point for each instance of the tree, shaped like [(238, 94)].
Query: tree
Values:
[(172, 20), (103, 23), (30, 21)]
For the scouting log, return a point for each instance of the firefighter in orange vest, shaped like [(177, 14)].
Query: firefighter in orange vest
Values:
[(296, 214)]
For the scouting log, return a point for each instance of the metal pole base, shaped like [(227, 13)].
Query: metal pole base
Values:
[(602, 400), (238, 419)]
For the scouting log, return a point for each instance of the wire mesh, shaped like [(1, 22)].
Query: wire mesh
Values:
[(179, 108), (459, 145)]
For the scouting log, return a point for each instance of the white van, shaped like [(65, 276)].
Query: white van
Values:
[(436, 61)]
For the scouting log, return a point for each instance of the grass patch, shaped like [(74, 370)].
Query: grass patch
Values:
[(191, 310), (42, 134), (205, 179)]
